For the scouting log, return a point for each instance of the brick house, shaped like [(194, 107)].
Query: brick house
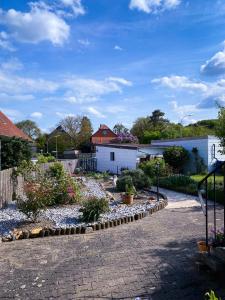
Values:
[(103, 135)]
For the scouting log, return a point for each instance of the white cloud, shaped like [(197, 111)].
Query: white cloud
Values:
[(41, 23), (215, 65), (12, 64), (12, 84), (5, 43), (84, 43), (16, 97), (12, 114), (181, 82), (153, 6), (80, 90), (114, 109), (75, 5), (64, 115), (95, 112), (37, 115), (118, 48)]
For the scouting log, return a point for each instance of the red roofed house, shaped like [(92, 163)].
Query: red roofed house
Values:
[(103, 135), (8, 129)]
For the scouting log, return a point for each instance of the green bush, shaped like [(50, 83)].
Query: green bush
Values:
[(124, 181), (45, 159), (139, 179), (154, 166), (64, 188), (93, 208), (176, 157), (180, 183), (37, 197)]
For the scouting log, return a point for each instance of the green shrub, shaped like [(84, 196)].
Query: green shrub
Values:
[(93, 208), (176, 157), (56, 170), (154, 166), (139, 179), (124, 181), (37, 197), (180, 183), (45, 159)]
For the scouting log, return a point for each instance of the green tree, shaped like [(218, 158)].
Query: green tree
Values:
[(120, 128), (176, 157), (139, 127), (220, 129), (30, 128), (72, 126), (86, 131), (13, 152), (157, 120)]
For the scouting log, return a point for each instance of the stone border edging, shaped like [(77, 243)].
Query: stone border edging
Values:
[(25, 234)]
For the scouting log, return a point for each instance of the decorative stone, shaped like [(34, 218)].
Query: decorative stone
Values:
[(111, 223), (98, 226), (26, 234), (58, 231), (88, 229), (136, 217), (73, 230), (83, 229), (78, 230), (36, 231), (18, 234), (118, 222), (63, 231), (114, 222), (102, 225), (106, 225), (68, 230)]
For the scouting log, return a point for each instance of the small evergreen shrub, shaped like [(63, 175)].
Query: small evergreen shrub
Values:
[(93, 208), (139, 179), (124, 181), (176, 157), (154, 166), (45, 159)]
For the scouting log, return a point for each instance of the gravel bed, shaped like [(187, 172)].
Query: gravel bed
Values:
[(69, 216), (10, 218)]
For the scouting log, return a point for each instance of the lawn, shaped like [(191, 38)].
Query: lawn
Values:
[(197, 178)]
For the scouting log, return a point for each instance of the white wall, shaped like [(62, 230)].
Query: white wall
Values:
[(204, 146), (200, 144), (214, 141), (124, 158)]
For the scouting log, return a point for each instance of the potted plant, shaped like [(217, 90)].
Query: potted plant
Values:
[(128, 197), (202, 247)]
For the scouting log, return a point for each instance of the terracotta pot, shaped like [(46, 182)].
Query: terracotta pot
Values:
[(128, 199), (202, 247)]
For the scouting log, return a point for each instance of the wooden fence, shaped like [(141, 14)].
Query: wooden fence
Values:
[(8, 188)]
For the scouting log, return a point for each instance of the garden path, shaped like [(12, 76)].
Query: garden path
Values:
[(148, 259)]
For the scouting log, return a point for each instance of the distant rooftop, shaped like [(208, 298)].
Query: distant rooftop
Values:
[(185, 139), (8, 129), (130, 146)]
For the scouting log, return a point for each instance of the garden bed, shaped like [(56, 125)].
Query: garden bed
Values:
[(65, 219)]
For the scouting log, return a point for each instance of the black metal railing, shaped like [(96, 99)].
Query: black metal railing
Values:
[(207, 192)]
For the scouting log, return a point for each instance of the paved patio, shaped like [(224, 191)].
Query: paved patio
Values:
[(149, 259)]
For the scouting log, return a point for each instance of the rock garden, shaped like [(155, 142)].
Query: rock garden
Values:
[(55, 202)]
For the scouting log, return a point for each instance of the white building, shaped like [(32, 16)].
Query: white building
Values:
[(114, 157), (209, 148)]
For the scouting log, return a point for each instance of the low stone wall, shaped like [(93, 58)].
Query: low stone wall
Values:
[(44, 232)]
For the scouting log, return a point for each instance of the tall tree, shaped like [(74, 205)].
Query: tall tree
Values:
[(85, 131), (120, 128), (220, 129), (72, 125), (157, 120), (30, 128)]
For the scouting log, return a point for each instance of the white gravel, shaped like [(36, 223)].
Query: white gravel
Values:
[(69, 216), (10, 217)]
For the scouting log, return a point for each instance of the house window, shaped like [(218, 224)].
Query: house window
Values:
[(104, 132), (112, 156)]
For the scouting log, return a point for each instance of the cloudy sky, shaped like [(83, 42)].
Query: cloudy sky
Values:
[(113, 60)]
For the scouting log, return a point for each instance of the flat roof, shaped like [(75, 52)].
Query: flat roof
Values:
[(185, 139), (131, 146)]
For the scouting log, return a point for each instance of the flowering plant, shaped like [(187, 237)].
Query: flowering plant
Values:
[(125, 137)]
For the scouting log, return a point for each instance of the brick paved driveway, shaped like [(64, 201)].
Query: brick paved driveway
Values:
[(149, 259)]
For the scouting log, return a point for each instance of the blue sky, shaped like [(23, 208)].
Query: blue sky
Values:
[(111, 60)]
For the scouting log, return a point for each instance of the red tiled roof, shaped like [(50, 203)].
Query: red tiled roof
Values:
[(104, 131), (8, 129)]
